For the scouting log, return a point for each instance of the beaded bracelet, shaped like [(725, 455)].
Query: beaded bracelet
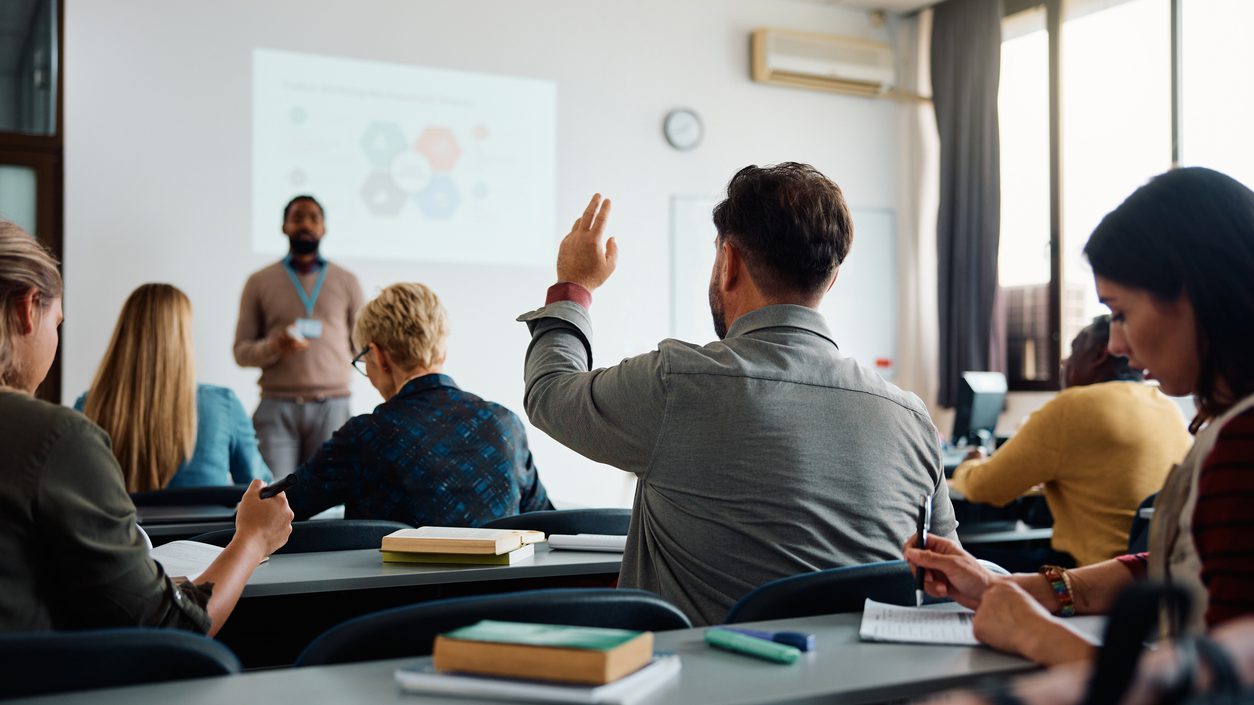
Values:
[(1057, 577)]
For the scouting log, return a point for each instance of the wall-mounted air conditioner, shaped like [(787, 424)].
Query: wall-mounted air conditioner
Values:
[(823, 62)]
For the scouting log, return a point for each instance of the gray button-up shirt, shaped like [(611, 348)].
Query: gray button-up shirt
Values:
[(761, 456)]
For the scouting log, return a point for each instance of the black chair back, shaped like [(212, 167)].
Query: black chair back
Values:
[(321, 535), (411, 631), (58, 662), (1138, 535), (219, 496), (829, 591), (611, 521)]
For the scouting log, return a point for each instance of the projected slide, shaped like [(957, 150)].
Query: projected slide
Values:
[(410, 162)]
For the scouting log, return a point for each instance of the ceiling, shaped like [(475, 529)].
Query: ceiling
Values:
[(15, 21)]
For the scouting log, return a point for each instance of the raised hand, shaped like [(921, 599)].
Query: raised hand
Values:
[(582, 258)]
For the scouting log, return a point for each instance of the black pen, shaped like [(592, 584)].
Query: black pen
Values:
[(925, 523), (271, 490)]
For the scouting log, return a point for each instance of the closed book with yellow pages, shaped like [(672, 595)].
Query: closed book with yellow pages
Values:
[(545, 652), (521, 553), (449, 539)]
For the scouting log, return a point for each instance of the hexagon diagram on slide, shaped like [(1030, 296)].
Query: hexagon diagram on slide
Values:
[(440, 198), (381, 195), (382, 142), (440, 147)]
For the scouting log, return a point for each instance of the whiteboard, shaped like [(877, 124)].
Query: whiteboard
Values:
[(861, 309)]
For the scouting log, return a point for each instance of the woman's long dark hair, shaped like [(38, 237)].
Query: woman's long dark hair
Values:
[(1191, 231)]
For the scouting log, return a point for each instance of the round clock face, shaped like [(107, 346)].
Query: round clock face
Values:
[(683, 129)]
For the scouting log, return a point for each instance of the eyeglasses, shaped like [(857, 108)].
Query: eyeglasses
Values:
[(359, 362)]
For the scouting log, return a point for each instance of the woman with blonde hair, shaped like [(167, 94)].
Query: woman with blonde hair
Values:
[(167, 430), (71, 556), (431, 453)]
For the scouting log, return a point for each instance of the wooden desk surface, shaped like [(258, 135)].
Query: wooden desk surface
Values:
[(842, 670)]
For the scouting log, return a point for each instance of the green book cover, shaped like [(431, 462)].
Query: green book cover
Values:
[(509, 558), (551, 635)]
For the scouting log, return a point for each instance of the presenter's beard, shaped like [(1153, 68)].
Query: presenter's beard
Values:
[(716, 309), (301, 246)]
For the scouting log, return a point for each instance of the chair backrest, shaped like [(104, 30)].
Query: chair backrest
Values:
[(1138, 534), (220, 496), (826, 592), (411, 630), (569, 521), (321, 535), (40, 663)]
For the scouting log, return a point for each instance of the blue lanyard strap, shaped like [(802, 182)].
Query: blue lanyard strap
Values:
[(307, 299)]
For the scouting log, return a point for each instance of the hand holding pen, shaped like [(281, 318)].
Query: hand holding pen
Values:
[(949, 571)]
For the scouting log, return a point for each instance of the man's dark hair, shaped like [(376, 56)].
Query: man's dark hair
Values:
[(1191, 231), (1098, 333), (790, 223), (303, 197)]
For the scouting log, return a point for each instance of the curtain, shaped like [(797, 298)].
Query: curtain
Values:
[(917, 333), (966, 67)]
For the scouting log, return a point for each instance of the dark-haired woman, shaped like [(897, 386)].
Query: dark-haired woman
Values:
[(1175, 265)]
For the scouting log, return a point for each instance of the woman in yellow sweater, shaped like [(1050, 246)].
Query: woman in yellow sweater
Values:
[(1100, 447)]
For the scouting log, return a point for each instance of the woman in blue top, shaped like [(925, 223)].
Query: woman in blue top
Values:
[(167, 430)]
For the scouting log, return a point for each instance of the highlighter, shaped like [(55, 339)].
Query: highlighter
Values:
[(799, 640), (751, 646)]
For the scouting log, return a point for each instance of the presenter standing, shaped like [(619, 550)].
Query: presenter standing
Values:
[(296, 317)]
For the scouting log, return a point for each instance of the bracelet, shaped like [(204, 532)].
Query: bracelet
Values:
[(1061, 585)]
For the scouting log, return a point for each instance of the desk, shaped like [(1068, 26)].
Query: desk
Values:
[(146, 516), (165, 533), (1004, 532), (841, 670), (293, 598)]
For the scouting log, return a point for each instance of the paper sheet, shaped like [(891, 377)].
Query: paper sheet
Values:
[(185, 558), (588, 542), (916, 625)]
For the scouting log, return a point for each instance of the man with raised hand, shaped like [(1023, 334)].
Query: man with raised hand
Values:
[(764, 454)]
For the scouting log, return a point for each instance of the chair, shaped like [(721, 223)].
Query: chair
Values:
[(58, 662), (1138, 535), (222, 496), (829, 591), (568, 521), (322, 535), (411, 630)]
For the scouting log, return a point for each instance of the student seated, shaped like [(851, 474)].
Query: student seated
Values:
[(167, 430), (71, 556), (764, 454), (1174, 263), (1100, 447), (430, 454)]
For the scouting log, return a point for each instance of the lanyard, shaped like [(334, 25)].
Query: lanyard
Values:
[(307, 299)]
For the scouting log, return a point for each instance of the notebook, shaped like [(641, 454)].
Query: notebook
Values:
[(628, 690), (185, 558), (916, 625)]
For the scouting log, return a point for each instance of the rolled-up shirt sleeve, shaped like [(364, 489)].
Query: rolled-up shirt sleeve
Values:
[(95, 567)]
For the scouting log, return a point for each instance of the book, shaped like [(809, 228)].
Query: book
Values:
[(628, 690), (448, 539), (547, 652), (517, 555), (589, 542)]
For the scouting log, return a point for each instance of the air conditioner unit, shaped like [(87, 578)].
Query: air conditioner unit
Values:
[(823, 62)]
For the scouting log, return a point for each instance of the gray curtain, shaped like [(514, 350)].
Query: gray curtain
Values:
[(966, 67)]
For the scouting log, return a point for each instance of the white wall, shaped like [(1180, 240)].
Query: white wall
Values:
[(157, 182)]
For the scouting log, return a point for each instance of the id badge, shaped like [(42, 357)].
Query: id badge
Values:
[(310, 328)]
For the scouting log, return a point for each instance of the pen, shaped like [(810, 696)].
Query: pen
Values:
[(925, 523), (271, 490), (799, 640), (751, 646)]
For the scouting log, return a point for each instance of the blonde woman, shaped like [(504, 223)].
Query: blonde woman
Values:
[(431, 453), (70, 554), (167, 430)]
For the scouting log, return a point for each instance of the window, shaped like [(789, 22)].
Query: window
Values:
[(1086, 113)]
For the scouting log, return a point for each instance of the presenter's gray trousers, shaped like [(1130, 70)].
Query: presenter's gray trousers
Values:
[(290, 431)]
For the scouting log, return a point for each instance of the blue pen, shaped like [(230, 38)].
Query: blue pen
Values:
[(804, 642)]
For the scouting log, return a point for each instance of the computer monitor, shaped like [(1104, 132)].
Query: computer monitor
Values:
[(981, 397)]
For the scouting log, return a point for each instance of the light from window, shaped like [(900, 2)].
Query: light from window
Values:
[(1218, 95)]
